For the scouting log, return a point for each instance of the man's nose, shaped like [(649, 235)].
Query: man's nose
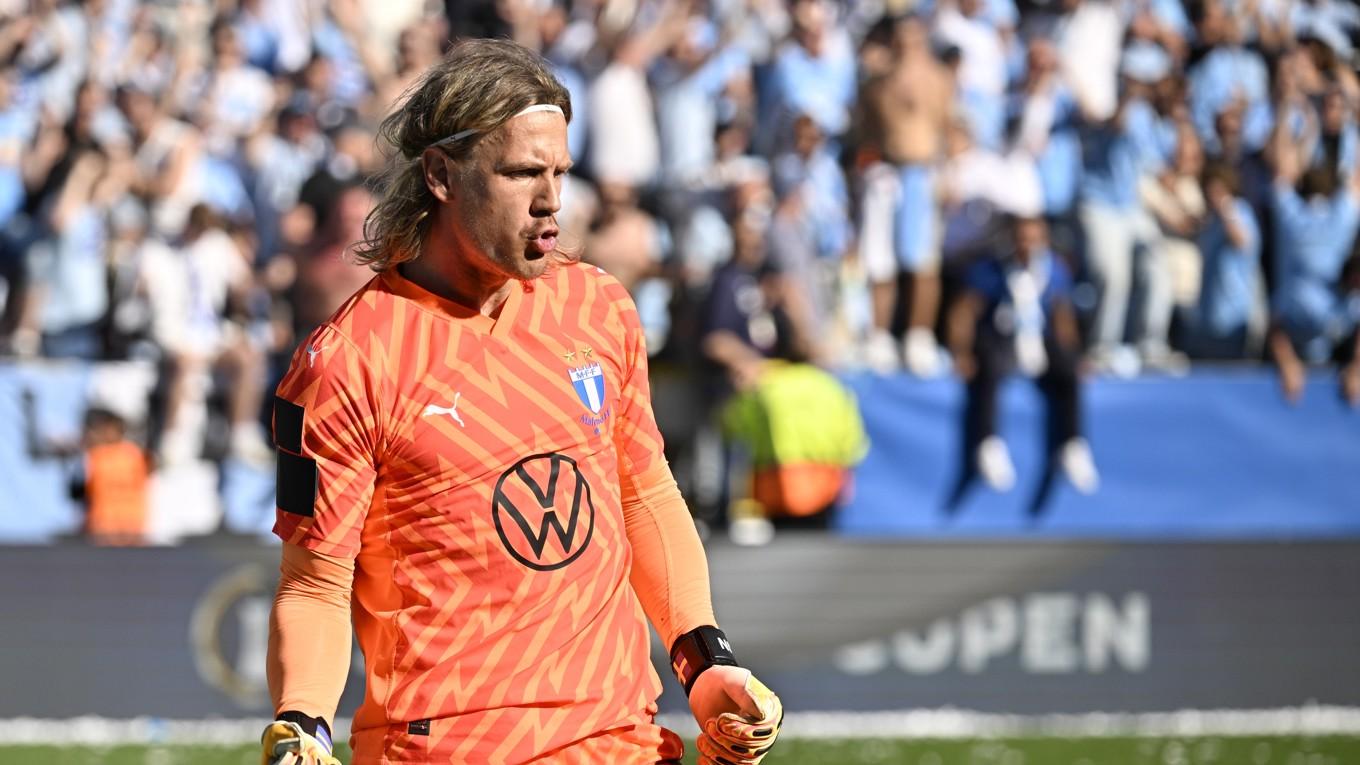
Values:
[(549, 198)]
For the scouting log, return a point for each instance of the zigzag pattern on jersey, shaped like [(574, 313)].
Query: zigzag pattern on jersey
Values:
[(509, 663)]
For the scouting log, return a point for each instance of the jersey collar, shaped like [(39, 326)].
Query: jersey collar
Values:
[(498, 326)]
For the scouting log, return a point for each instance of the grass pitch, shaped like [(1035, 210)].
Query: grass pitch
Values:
[(1209, 750)]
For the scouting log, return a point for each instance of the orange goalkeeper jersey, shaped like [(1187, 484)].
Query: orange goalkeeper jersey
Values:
[(471, 467)]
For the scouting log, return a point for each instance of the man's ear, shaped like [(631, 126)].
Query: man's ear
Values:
[(440, 174)]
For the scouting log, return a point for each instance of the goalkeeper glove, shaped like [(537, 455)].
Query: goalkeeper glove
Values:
[(738, 716), (296, 739)]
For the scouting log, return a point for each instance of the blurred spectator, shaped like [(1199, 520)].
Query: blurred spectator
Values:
[(982, 73), (690, 84), (630, 244), (548, 28), (975, 182), (748, 315), (166, 154), (350, 160), (1089, 37), (810, 173), (1187, 156), (128, 327), (624, 240), (1122, 239), (799, 433), (755, 320), (813, 73), (235, 96), (281, 163), (109, 475), (810, 233), (146, 62), (1016, 314), (1176, 202), (1228, 73), (1314, 318), (15, 137), (1230, 290), (1045, 118), (325, 275), (68, 269), (624, 145), (907, 110), (209, 335), (53, 50), (417, 50), (115, 486)]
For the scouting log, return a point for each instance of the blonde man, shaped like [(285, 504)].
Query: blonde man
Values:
[(467, 455)]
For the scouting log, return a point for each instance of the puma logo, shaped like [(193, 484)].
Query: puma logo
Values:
[(451, 411)]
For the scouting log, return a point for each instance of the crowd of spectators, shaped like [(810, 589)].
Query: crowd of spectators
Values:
[(968, 185)]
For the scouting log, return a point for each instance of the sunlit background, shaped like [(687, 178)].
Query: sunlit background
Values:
[(1004, 350)]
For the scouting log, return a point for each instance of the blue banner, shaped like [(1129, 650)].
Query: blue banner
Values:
[(1216, 455)]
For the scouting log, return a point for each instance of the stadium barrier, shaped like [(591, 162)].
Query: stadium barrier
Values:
[(1032, 628), (1213, 456)]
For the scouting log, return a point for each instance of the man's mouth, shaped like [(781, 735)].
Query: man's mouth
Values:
[(545, 242)]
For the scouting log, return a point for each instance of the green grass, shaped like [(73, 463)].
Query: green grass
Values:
[(1247, 750)]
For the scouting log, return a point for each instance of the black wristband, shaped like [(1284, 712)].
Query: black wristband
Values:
[(696, 651), (315, 727)]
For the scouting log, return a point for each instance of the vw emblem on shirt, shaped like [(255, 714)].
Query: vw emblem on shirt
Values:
[(543, 511)]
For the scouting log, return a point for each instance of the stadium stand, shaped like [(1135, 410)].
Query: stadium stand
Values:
[(807, 181), (780, 184)]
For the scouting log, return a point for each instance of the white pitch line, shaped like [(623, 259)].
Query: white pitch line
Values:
[(909, 724)]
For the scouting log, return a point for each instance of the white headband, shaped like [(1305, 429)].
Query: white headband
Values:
[(461, 134)]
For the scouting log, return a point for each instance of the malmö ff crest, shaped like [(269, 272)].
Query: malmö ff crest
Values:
[(588, 381)]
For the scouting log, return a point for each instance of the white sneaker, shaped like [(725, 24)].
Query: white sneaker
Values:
[(1079, 466), (747, 525), (994, 464), (1160, 356), (249, 444), (922, 354), (880, 353), (179, 446), (750, 532)]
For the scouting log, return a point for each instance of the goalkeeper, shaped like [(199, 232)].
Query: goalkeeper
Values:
[(471, 479)]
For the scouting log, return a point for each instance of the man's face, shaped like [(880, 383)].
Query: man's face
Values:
[(506, 195), (1043, 58), (910, 35), (1031, 235), (810, 19)]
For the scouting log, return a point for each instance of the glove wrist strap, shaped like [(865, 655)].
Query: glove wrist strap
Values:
[(696, 651), (315, 727)]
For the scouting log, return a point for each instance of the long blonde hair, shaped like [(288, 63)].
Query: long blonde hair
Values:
[(479, 86)]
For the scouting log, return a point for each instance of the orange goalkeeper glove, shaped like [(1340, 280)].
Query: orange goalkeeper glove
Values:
[(287, 741), (738, 716)]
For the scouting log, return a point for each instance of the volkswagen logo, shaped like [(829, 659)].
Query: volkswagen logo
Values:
[(543, 511)]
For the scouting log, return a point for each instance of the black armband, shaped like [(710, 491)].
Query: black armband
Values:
[(315, 727), (696, 651)]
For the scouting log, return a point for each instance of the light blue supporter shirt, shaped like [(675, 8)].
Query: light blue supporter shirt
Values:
[(821, 87), (687, 111), (1109, 166), (1313, 239), (1228, 289), (1223, 75)]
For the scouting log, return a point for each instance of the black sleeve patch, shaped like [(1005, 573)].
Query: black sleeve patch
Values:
[(287, 425), (296, 484)]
